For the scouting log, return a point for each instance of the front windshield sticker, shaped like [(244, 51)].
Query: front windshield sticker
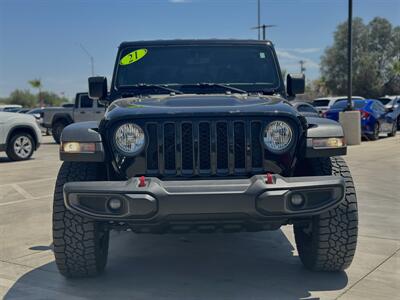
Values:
[(262, 55), (132, 57)]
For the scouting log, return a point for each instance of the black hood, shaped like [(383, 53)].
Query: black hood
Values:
[(198, 105)]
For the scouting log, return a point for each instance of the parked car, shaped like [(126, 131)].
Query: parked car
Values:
[(84, 109), (38, 114), (23, 110), (325, 103), (306, 109), (20, 135), (392, 103), (10, 107), (375, 119), (198, 137)]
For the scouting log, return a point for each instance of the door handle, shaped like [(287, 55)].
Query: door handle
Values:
[(82, 112), (98, 112)]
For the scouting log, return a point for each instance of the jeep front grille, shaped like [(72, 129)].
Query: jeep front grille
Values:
[(204, 148)]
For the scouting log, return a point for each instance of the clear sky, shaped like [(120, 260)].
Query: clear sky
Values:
[(41, 38)]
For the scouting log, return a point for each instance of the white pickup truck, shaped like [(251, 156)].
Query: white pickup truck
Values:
[(84, 109), (20, 135)]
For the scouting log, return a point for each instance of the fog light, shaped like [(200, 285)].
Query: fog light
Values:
[(297, 200), (114, 204)]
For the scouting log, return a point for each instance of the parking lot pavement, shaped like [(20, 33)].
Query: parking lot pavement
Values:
[(232, 266)]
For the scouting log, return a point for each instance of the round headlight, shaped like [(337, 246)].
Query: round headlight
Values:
[(129, 139), (277, 136)]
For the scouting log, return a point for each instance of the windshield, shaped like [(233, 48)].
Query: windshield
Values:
[(384, 101), (250, 67), (343, 103), (320, 103)]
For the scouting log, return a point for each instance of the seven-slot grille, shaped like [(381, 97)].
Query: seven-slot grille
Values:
[(196, 148)]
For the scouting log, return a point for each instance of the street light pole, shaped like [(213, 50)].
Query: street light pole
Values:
[(264, 29), (349, 56), (90, 57), (350, 118)]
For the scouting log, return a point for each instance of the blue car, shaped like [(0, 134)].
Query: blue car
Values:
[(375, 118)]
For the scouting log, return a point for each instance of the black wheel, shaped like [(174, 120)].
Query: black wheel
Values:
[(57, 129), (80, 244), (398, 123), (329, 241), (375, 135), (21, 146), (394, 130)]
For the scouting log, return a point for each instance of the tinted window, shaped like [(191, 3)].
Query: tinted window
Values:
[(306, 108), (181, 64), (86, 102), (321, 102), (343, 104), (384, 101), (379, 107)]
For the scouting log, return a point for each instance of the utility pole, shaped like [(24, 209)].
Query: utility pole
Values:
[(302, 67), (90, 57), (264, 29), (258, 17)]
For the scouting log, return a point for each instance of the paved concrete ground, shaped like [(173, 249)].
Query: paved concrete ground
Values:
[(235, 266)]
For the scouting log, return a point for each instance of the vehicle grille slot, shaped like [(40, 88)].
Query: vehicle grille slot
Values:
[(239, 145), (204, 146), (151, 153), (169, 146), (191, 148), (222, 146), (256, 148), (187, 147)]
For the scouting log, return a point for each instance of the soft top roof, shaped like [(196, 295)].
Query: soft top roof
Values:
[(195, 42)]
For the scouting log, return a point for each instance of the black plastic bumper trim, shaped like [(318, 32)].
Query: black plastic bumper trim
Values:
[(250, 197)]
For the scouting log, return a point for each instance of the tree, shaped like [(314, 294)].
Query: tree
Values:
[(376, 53), (29, 100), (37, 84), (22, 97)]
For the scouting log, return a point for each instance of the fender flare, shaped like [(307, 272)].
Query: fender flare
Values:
[(62, 116), (323, 128), (26, 128), (83, 132)]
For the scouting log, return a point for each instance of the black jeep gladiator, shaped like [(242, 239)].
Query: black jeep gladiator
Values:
[(199, 136)]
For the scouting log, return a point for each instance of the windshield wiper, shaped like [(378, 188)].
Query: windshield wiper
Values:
[(220, 85), (156, 86)]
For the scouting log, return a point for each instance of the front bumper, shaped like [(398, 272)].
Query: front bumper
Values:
[(251, 200)]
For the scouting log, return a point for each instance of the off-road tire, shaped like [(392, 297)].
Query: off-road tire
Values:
[(10, 151), (57, 129), (394, 130), (80, 244), (329, 242)]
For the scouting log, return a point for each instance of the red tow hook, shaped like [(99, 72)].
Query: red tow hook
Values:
[(269, 179), (142, 181)]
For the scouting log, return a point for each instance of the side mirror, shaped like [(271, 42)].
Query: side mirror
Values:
[(97, 87), (295, 84)]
